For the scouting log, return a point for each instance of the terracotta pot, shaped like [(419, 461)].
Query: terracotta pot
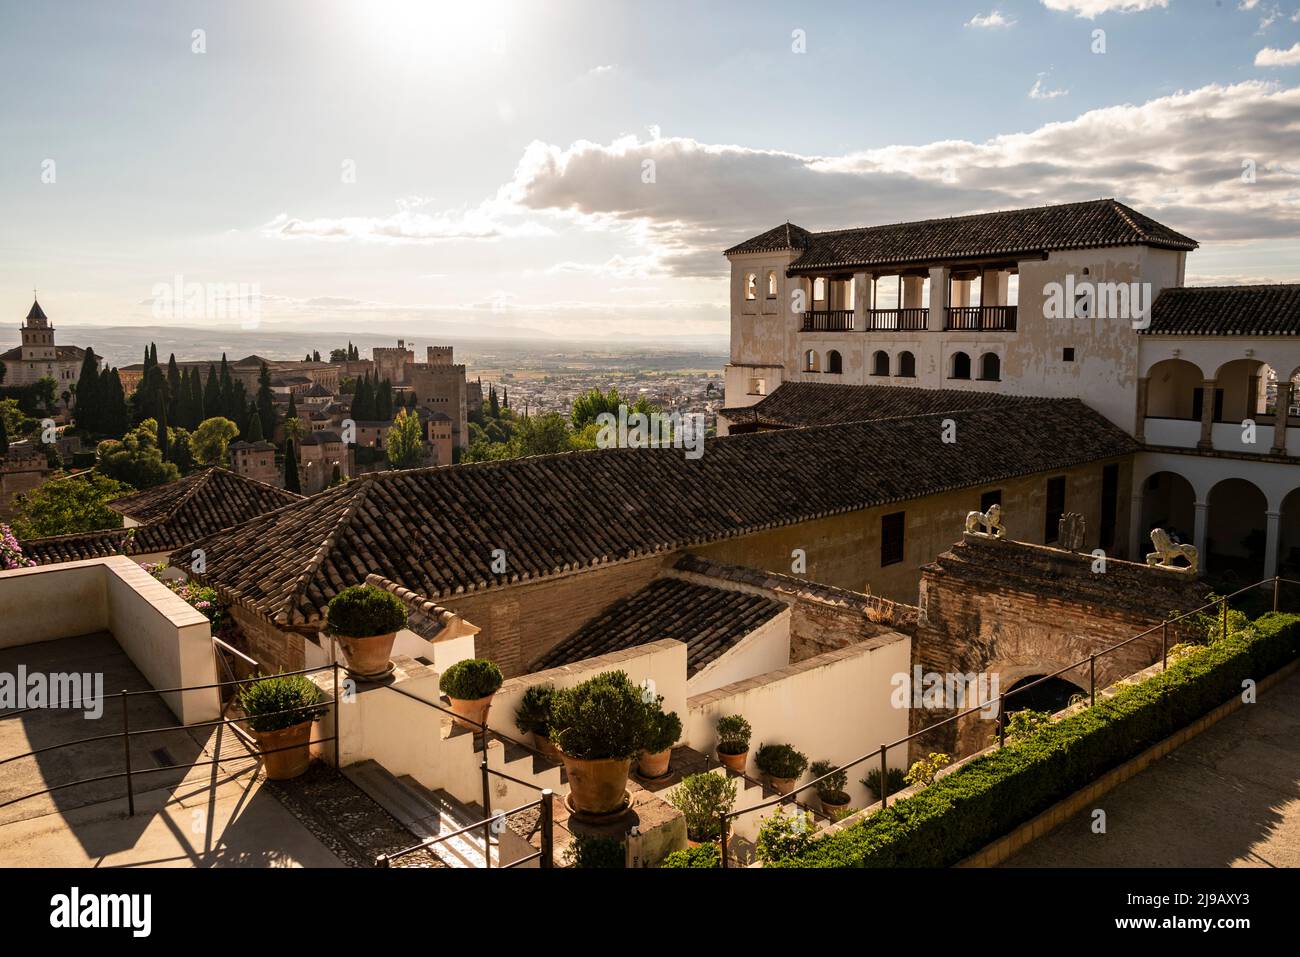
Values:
[(543, 744), (282, 765), (598, 786), (654, 765), (470, 712), (781, 785), (734, 762), (834, 810), (367, 657)]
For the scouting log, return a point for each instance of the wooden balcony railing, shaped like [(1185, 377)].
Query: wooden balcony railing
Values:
[(982, 318), (828, 320), (903, 320)]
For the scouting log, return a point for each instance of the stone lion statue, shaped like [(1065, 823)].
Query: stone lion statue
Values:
[(1167, 550), (986, 523)]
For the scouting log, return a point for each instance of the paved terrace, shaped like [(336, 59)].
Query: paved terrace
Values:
[(1230, 797), (210, 816)]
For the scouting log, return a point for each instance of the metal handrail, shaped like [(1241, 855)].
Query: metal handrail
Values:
[(882, 751), (545, 855)]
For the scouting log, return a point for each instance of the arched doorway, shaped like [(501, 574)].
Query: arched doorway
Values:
[(1288, 552), (1051, 695), (1236, 532), (1168, 502), (1171, 391)]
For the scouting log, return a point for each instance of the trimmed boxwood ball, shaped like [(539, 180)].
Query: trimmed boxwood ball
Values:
[(781, 760), (604, 717), (470, 679), (534, 712), (361, 611), (963, 811), (664, 731), (261, 700)]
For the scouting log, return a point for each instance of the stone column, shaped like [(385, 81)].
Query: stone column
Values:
[(863, 287), (1140, 428), (938, 298), (1207, 414), (1202, 531), (1280, 418), (1273, 521), (1252, 398)]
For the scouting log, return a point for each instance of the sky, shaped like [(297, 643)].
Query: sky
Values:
[(572, 168)]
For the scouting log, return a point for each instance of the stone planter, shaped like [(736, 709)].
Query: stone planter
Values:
[(781, 785), (654, 765), (470, 713), (598, 786), (734, 762), (281, 765), (835, 809), (367, 657)]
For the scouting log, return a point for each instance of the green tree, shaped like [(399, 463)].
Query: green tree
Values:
[(65, 506), (404, 442), (4, 437), (17, 423), (291, 483), (541, 435), (384, 402), (211, 440), (254, 431), (89, 412), (173, 390), (265, 401), (135, 458)]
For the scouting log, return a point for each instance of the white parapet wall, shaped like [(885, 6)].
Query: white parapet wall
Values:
[(836, 706), (168, 640), (661, 664)]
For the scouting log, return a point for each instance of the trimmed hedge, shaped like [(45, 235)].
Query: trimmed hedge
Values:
[(701, 855), (964, 811)]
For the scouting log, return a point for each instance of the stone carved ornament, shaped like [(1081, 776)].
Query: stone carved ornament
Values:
[(1167, 550), (987, 524)]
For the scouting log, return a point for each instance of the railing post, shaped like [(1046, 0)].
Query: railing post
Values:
[(487, 802), (338, 717), (1224, 607), (381, 861), (723, 838), (1002, 720), (884, 776), (126, 753), (1277, 580), (548, 828), (1092, 680), (1164, 646)]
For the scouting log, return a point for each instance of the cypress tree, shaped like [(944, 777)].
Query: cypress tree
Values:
[(119, 418), (253, 429), (265, 401), (291, 483), (212, 394), (173, 390), (89, 411), (196, 398), (227, 392), (4, 437), (161, 434), (293, 407)]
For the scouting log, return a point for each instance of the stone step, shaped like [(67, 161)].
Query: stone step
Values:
[(410, 805), (507, 846)]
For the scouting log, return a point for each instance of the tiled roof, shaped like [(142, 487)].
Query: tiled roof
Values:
[(323, 437), (77, 546), (1100, 222), (707, 620), (434, 530), (36, 312), (796, 404), (784, 237), (172, 515), (61, 354), (1227, 311)]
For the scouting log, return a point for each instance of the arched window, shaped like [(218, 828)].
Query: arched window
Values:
[(960, 366), (880, 362), (833, 361), (819, 289), (990, 367), (751, 285), (810, 363), (907, 365), (771, 284)]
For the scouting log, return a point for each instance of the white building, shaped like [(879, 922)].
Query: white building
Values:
[(1081, 300), (38, 357)]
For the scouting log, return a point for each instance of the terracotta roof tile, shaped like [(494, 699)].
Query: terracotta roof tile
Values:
[(1227, 311), (796, 404)]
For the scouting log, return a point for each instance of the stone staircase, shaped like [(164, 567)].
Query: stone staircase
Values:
[(509, 758), (430, 814)]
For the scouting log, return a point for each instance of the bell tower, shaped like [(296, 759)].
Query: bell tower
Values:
[(38, 336)]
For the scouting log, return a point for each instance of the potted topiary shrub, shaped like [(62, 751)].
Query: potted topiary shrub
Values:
[(279, 711), (733, 742), (366, 620), (470, 685), (599, 726), (897, 780), (835, 800), (664, 730), (702, 798), (782, 764), (533, 716)]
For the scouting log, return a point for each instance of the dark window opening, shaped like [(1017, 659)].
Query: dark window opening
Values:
[(1198, 404), (989, 499), (960, 366), (907, 365), (880, 363), (1109, 504), (990, 367), (1055, 508), (1067, 354), (891, 538), (833, 361)]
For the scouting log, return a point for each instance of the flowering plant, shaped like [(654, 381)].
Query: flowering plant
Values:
[(11, 553), (201, 597)]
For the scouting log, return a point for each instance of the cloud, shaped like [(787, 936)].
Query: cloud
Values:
[(989, 21), (1040, 92), (1271, 57), (1091, 9), (1178, 158), (603, 68)]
